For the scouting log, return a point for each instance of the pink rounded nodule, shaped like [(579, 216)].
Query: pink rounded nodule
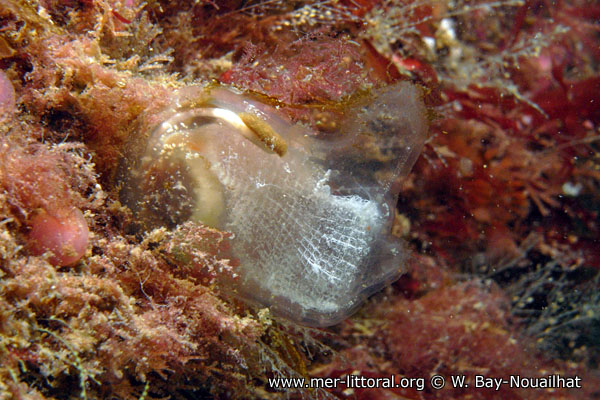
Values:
[(7, 95), (65, 234)]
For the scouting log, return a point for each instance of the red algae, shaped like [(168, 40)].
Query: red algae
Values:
[(501, 209), (313, 69), (65, 235), (7, 96), (452, 331)]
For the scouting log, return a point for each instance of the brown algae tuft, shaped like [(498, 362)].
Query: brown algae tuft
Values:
[(310, 216)]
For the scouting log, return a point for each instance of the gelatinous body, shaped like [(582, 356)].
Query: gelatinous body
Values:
[(310, 216)]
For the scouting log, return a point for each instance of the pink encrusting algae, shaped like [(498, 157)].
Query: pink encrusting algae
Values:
[(7, 96), (64, 234), (101, 297), (43, 187)]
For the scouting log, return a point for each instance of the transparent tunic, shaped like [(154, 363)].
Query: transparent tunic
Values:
[(311, 215)]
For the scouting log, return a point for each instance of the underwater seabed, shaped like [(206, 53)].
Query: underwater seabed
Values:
[(203, 199)]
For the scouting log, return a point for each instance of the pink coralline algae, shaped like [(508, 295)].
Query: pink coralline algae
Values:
[(65, 235), (499, 218), (7, 96), (44, 187)]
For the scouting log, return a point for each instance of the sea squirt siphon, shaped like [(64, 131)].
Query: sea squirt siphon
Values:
[(311, 216)]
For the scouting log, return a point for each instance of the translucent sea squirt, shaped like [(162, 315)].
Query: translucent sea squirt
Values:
[(311, 216)]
